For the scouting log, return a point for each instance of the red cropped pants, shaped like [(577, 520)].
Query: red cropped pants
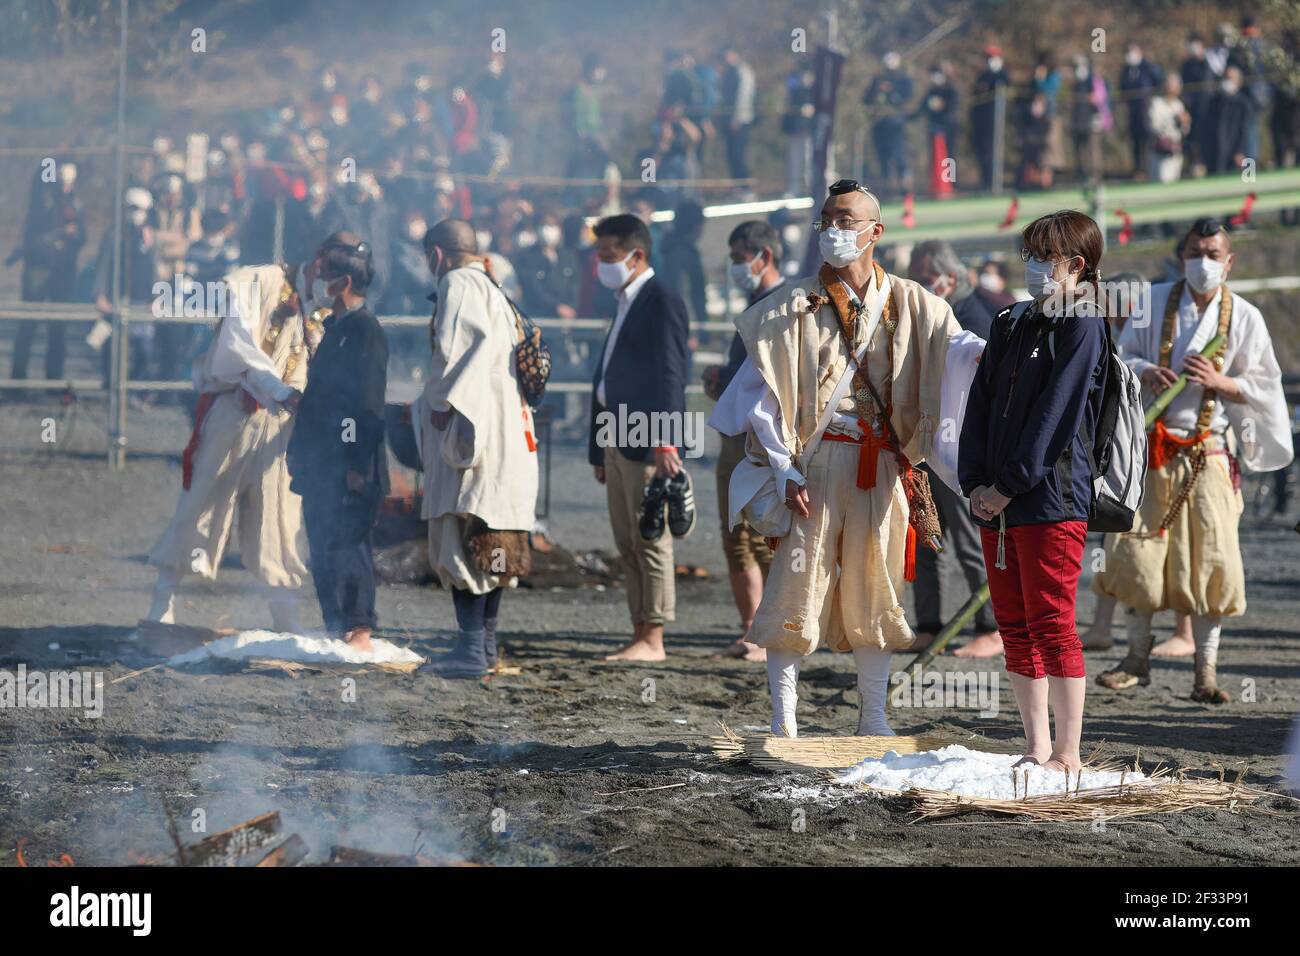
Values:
[(1034, 597)]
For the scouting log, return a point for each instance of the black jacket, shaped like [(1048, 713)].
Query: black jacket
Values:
[(346, 381), (648, 368), (1028, 441)]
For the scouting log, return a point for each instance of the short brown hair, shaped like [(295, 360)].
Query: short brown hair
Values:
[(1064, 235)]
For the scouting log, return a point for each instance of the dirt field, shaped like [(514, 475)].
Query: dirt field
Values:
[(571, 762)]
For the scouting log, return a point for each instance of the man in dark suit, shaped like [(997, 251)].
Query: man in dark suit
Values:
[(936, 265), (640, 381), (336, 455)]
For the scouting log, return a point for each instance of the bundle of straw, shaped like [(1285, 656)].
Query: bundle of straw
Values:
[(837, 753), (1161, 792)]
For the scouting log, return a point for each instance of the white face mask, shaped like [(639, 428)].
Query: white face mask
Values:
[(743, 275), (1203, 274), (550, 234), (415, 229), (320, 291), (991, 281), (1038, 279), (139, 216), (614, 275), (839, 247)]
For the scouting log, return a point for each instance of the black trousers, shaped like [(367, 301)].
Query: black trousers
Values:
[(960, 538), (340, 535)]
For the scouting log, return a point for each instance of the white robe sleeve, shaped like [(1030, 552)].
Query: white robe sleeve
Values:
[(1262, 422), (237, 360), (960, 366), (749, 405)]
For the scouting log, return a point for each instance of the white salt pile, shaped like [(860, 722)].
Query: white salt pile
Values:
[(973, 773), (296, 647)]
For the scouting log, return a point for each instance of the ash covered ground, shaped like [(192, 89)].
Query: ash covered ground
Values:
[(570, 762)]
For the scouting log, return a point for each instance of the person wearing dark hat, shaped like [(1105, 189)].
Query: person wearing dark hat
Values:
[(336, 455)]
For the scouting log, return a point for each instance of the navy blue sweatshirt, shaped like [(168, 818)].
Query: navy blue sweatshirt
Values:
[(1031, 409)]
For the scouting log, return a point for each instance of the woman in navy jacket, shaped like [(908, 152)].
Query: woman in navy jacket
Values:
[(1025, 463)]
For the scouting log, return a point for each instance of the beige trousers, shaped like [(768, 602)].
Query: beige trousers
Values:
[(1195, 568), (837, 577), (239, 470), (647, 565)]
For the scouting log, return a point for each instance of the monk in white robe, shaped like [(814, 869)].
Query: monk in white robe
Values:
[(234, 465), (478, 445), (1186, 556), (822, 470)]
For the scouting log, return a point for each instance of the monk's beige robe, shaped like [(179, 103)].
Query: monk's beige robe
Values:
[(239, 468), (1196, 567), (837, 577), (484, 464)]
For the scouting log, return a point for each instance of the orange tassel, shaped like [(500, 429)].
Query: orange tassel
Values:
[(1164, 444), (909, 561)]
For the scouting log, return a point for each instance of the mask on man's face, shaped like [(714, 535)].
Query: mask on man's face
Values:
[(743, 275), (614, 275), (320, 294), (138, 216), (1204, 274), (839, 247)]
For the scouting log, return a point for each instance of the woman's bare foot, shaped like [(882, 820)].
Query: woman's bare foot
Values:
[(984, 645), (638, 650), (359, 637), (1029, 760), (742, 650), (1060, 763), (923, 640), (1180, 645)]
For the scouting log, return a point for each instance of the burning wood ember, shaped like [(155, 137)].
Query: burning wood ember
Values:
[(289, 853)]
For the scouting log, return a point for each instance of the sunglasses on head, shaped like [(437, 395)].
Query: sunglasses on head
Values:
[(362, 248)]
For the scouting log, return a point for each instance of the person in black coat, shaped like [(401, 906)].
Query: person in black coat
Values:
[(640, 382), (53, 234), (1025, 462), (337, 457)]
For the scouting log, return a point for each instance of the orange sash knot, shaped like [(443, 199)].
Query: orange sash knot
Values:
[(1164, 445)]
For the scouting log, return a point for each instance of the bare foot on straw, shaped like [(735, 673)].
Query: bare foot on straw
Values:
[(638, 650), (359, 638), (984, 645), (1179, 645), (742, 650), (1062, 763)]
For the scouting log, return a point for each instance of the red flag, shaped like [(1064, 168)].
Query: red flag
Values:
[(1126, 231), (1012, 212), (1243, 216)]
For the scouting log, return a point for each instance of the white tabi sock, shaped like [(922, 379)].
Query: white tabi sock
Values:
[(873, 687), (1205, 634), (783, 680), (163, 608)]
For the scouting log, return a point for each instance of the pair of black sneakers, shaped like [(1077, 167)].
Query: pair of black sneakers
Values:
[(671, 502)]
